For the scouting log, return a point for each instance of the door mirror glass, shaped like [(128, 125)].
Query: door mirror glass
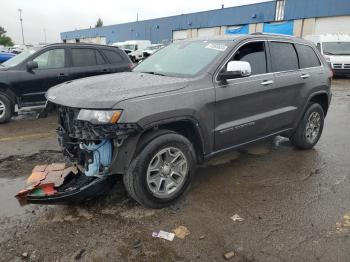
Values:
[(32, 65), (236, 69)]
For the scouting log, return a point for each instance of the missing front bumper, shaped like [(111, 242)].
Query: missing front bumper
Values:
[(55, 184)]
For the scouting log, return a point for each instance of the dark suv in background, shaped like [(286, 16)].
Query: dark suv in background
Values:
[(25, 78), (188, 102)]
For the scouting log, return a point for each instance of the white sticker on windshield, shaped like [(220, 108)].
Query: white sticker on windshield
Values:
[(219, 47)]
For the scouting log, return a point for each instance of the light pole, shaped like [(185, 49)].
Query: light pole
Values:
[(20, 19)]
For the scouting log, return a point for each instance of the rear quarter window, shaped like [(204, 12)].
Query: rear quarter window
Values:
[(283, 56), (307, 56), (113, 56)]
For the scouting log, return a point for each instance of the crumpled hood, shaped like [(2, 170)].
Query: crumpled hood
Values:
[(104, 92)]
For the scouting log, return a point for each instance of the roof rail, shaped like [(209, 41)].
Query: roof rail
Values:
[(261, 33)]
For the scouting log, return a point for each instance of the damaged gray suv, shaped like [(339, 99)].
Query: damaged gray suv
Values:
[(187, 103)]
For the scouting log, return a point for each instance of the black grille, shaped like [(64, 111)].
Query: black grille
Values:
[(67, 118)]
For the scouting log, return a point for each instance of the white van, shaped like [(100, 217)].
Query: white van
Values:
[(336, 50), (134, 48)]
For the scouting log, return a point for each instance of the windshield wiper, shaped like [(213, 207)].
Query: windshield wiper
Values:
[(153, 73)]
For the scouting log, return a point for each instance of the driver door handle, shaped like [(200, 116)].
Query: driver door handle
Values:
[(267, 82), (62, 75), (304, 76)]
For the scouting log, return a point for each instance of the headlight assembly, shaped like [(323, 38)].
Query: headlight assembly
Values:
[(99, 116)]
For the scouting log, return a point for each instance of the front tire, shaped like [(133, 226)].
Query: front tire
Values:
[(162, 171), (6, 108), (310, 128)]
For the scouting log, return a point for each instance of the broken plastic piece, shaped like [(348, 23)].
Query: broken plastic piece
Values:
[(164, 235), (229, 255), (44, 190), (236, 217), (44, 178), (181, 232)]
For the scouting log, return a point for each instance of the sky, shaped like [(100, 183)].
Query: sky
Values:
[(51, 17)]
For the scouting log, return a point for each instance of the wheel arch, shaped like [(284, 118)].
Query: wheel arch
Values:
[(5, 89), (187, 127), (322, 99), (133, 144)]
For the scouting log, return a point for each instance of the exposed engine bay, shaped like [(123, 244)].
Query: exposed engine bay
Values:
[(92, 146), (92, 149)]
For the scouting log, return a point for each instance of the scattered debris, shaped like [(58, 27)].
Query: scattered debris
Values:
[(343, 226), (201, 237), (25, 255), (164, 235), (236, 217), (181, 232), (229, 255), (137, 247), (79, 254), (137, 244)]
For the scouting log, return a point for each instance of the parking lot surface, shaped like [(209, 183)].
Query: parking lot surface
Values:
[(295, 204)]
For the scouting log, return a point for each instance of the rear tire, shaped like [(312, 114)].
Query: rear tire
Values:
[(161, 171), (310, 128), (6, 108)]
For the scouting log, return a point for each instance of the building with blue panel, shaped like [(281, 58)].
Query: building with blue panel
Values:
[(297, 17)]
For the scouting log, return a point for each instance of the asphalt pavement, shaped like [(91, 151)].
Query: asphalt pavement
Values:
[(294, 204)]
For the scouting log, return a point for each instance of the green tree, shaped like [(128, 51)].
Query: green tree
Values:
[(2, 31), (5, 40), (99, 23)]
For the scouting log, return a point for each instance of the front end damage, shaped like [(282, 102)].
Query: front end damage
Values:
[(97, 151)]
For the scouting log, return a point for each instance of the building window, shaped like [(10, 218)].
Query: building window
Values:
[(280, 4)]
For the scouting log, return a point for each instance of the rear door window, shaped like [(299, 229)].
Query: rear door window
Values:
[(283, 56), (100, 60), (113, 56), (307, 56), (85, 57)]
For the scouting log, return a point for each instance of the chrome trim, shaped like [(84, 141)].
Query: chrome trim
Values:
[(266, 83), (304, 76)]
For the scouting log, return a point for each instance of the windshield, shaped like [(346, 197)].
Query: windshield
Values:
[(128, 47), (16, 60), (182, 58), (336, 48)]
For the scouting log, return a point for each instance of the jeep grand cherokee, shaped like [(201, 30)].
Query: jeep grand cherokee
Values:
[(188, 102)]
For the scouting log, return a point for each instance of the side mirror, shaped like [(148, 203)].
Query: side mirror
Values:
[(32, 65), (236, 69)]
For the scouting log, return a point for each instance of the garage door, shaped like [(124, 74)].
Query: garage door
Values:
[(332, 25), (207, 32), (179, 35)]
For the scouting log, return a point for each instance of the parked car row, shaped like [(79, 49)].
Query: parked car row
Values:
[(138, 49), (188, 102), (4, 56), (25, 78)]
